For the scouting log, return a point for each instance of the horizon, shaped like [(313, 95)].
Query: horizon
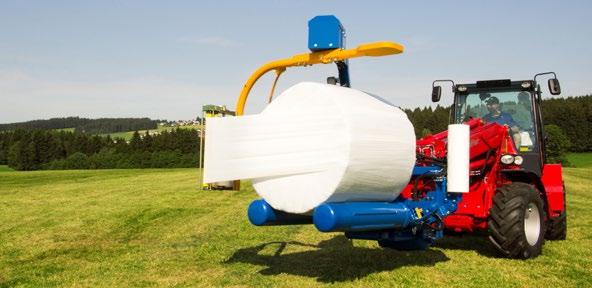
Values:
[(111, 59), (191, 119)]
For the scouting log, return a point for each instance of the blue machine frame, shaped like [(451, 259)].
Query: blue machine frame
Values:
[(325, 32), (402, 223)]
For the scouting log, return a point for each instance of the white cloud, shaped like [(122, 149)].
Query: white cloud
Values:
[(24, 97)]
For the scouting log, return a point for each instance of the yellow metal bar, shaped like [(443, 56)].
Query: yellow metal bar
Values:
[(278, 73), (322, 57)]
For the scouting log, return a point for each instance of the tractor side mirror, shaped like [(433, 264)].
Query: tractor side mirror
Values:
[(554, 86), (436, 93)]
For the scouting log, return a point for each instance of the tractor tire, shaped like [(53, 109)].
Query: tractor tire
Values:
[(557, 227), (517, 221)]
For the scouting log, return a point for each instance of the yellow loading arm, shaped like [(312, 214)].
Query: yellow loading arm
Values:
[(376, 49)]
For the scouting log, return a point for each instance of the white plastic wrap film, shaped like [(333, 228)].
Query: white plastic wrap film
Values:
[(458, 158), (315, 143)]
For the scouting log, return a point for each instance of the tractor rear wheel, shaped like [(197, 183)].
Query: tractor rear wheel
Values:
[(557, 227), (517, 221)]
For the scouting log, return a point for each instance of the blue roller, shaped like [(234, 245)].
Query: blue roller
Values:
[(361, 216), (262, 214)]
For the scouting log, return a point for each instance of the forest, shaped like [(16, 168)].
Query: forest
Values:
[(47, 149), (43, 144), (573, 116), (85, 125)]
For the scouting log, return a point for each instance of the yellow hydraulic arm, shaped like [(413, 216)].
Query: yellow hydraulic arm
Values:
[(376, 49), (322, 57)]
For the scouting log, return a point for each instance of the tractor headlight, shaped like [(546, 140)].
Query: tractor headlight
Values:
[(507, 159), (518, 160), (525, 85), (461, 88)]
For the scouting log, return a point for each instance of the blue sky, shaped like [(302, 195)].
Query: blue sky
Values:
[(165, 59)]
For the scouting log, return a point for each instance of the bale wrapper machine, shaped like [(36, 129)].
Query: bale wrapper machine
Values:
[(514, 203)]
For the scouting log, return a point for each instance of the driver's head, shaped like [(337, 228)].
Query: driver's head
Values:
[(492, 104)]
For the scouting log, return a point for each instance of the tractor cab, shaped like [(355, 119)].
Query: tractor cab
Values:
[(514, 104)]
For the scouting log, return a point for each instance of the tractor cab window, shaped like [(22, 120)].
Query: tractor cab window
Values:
[(510, 108)]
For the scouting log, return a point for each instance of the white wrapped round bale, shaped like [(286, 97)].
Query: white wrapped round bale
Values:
[(315, 143)]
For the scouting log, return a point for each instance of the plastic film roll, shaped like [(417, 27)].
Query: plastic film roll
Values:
[(458, 158), (315, 143)]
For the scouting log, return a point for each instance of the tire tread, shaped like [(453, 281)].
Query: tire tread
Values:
[(505, 224)]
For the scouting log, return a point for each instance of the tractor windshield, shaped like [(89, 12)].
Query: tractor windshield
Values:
[(510, 108)]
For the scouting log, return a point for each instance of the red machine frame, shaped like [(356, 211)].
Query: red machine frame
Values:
[(488, 143)]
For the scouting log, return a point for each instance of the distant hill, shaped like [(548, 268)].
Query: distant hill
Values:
[(161, 128), (93, 126)]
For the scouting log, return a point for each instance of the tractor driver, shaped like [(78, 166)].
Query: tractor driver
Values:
[(496, 115)]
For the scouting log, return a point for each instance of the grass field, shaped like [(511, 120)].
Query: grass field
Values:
[(580, 160), (155, 228), (128, 135), (5, 168)]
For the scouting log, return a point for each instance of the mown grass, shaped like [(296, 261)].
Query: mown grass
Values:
[(580, 160), (156, 228), (5, 168)]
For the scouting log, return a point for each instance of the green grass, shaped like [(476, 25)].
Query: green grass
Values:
[(580, 160), (128, 135), (156, 228), (5, 168)]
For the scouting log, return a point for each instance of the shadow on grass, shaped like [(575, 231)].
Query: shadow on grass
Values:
[(333, 260), (477, 242)]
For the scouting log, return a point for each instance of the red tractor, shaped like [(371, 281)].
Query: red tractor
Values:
[(514, 194)]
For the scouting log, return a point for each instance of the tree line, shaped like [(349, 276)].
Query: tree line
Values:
[(569, 127), (85, 125), (572, 116), (46, 149)]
